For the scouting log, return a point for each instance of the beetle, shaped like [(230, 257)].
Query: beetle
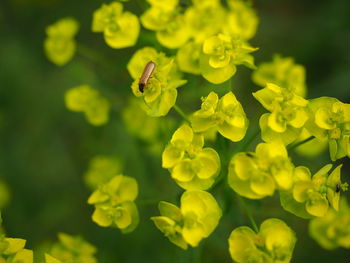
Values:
[(337, 188), (146, 74)]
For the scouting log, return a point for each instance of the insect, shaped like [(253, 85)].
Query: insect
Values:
[(337, 188), (249, 154), (146, 74)]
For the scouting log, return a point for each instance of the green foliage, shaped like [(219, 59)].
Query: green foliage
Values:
[(312, 148), (149, 129), (4, 194)]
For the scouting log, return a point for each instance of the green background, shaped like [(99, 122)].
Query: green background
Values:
[(45, 149)]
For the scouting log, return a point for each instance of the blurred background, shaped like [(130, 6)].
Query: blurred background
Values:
[(45, 149)]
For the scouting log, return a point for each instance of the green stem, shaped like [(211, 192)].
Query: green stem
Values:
[(241, 147), (181, 113), (197, 253), (147, 202), (248, 212), (141, 5), (297, 144), (94, 56)]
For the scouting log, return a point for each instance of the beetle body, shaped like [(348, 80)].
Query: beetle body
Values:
[(146, 74), (337, 188)]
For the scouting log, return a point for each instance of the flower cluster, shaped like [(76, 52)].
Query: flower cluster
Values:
[(88, 100), (282, 72), (114, 204), (330, 119), (225, 115), (273, 243), (311, 196), (102, 168), (120, 29), (166, 18), (211, 40), (192, 166), (160, 94), (332, 230), (221, 54), (288, 114), (197, 217), (59, 44), (257, 175), (71, 249)]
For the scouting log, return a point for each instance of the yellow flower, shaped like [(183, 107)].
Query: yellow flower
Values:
[(169, 24), (160, 93), (274, 243), (85, 99), (282, 72), (205, 19), (191, 166), (114, 204), (188, 56), (221, 54), (242, 20), (59, 44), (226, 115), (71, 249), (332, 230), (196, 219), (101, 169), (330, 119), (257, 175), (311, 196), (288, 114), (12, 249), (120, 29)]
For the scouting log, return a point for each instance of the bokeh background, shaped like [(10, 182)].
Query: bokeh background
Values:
[(45, 149)]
